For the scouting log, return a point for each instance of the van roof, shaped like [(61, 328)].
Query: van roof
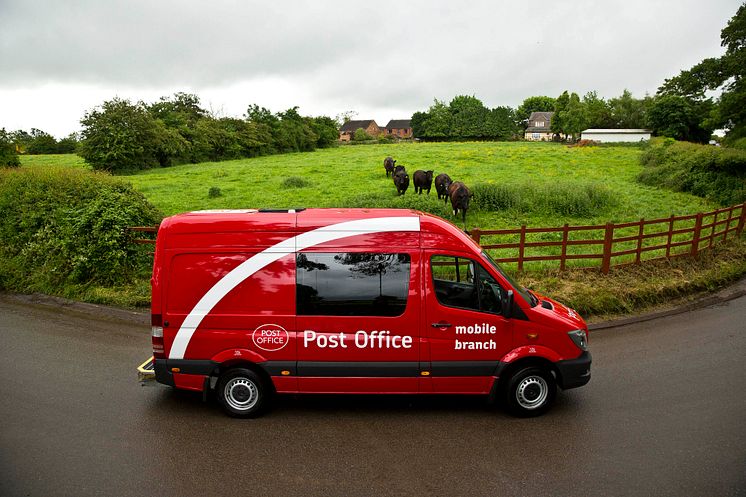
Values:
[(299, 220)]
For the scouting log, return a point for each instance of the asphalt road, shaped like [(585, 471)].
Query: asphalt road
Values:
[(665, 414)]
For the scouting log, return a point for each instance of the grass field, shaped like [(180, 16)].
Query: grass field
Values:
[(354, 176)]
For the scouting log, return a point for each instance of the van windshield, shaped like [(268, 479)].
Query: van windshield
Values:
[(528, 297)]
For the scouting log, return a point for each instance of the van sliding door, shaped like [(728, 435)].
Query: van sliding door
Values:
[(358, 320)]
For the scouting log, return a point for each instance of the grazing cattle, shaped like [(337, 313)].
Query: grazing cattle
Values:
[(442, 182), (388, 164), (422, 180), (460, 195), (401, 180), (396, 171)]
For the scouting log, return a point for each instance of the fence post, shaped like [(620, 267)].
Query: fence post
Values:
[(521, 247), (742, 220), (608, 242), (640, 232), (563, 257), (476, 235), (695, 236), (712, 231), (727, 224), (670, 236)]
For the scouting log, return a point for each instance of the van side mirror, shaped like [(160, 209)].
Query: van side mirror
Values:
[(507, 304)]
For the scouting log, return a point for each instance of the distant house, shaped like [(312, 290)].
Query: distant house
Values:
[(539, 126), (615, 135), (399, 127), (348, 129)]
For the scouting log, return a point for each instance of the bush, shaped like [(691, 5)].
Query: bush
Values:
[(295, 182), (716, 173), (360, 135), (62, 227), (8, 155), (214, 192)]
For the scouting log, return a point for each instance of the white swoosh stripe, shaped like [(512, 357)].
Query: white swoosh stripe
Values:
[(275, 252)]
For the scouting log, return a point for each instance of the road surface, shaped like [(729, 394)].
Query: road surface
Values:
[(664, 414)]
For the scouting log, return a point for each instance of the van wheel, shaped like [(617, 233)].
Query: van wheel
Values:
[(530, 392), (242, 393)]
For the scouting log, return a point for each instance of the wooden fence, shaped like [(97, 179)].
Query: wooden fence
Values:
[(620, 244)]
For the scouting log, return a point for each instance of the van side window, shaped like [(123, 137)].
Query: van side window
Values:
[(463, 283), (352, 284)]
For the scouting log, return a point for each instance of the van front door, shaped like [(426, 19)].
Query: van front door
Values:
[(465, 329), (358, 322)]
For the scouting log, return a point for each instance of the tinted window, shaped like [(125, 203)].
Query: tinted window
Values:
[(352, 284), (460, 282)]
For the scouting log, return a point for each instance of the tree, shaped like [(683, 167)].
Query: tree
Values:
[(629, 112), (558, 124), (360, 135), (326, 129), (724, 74), (119, 136), (8, 155), (574, 118), (678, 117), (468, 117), (533, 104), (598, 111), (501, 123), (41, 143)]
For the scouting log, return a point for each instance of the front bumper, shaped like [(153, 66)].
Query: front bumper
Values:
[(574, 373)]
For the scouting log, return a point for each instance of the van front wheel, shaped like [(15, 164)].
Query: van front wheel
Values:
[(242, 393), (530, 392)]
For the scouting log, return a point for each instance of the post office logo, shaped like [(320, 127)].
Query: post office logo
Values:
[(270, 337)]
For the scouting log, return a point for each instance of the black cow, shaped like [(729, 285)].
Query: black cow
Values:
[(422, 180), (442, 182), (460, 195), (401, 180), (397, 169), (388, 164)]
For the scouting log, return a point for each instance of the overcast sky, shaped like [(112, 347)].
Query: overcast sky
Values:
[(382, 59)]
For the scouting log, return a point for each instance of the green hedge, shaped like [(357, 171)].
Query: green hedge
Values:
[(61, 227), (716, 173)]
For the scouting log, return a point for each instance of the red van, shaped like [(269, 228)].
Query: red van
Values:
[(249, 303)]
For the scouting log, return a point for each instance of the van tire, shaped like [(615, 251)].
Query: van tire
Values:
[(242, 393), (530, 392)]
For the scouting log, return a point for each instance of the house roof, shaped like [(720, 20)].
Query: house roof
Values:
[(354, 125), (616, 131), (538, 116), (399, 124)]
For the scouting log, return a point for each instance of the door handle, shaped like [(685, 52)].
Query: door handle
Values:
[(441, 325)]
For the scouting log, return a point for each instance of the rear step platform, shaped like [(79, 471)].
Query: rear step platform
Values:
[(146, 370)]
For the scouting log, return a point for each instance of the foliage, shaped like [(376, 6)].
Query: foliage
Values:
[(716, 173), (67, 226), (723, 74), (214, 192), (120, 136), (40, 142), (563, 198), (628, 111), (8, 155), (360, 135), (679, 118), (464, 118), (533, 104)]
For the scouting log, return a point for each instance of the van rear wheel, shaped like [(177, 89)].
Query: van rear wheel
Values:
[(242, 393), (530, 392)]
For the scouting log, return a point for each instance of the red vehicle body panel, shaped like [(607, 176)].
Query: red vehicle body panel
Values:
[(225, 285)]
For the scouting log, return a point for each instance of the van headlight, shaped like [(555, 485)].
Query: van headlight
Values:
[(579, 338)]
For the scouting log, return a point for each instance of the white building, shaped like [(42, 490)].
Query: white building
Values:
[(615, 135)]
